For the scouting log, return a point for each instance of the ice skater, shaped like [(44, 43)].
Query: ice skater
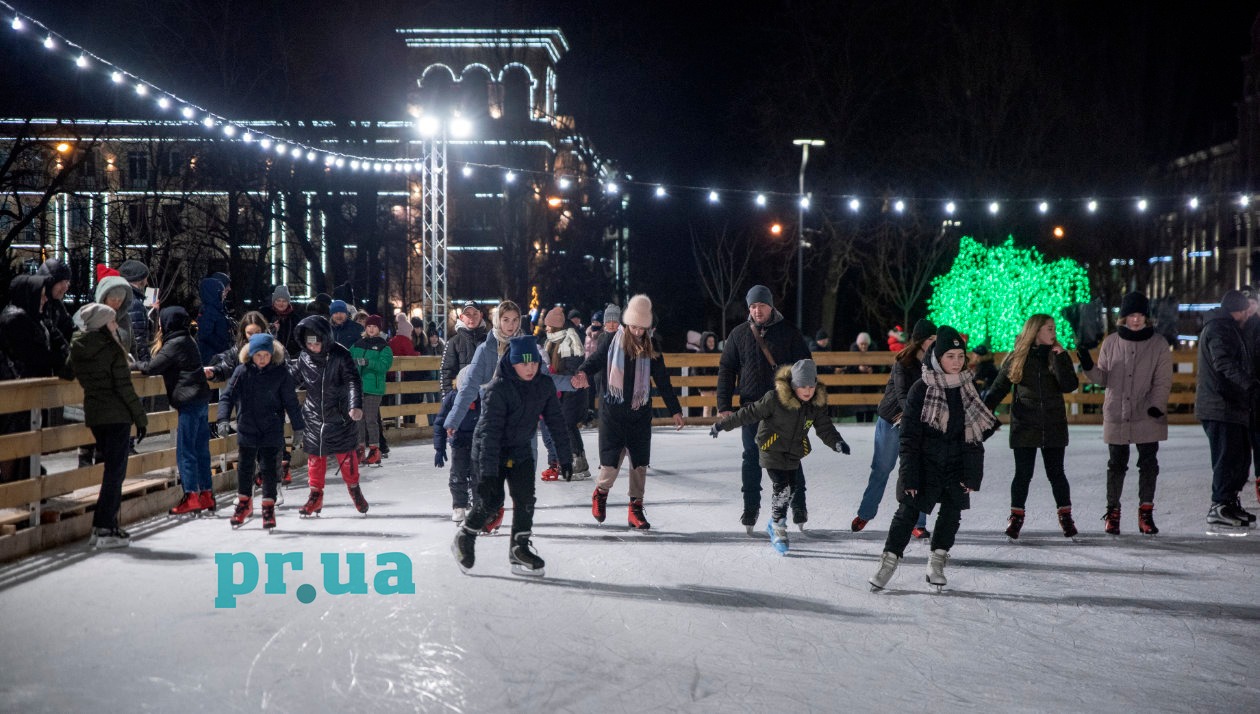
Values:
[(630, 364), (942, 456), (463, 478), (503, 451), (784, 416)]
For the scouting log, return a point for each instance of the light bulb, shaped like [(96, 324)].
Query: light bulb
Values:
[(761, 199), (81, 62)]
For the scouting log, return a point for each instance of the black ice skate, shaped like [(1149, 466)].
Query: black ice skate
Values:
[(524, 558), (1112, 521), (800, 516), (1146, 519), (360, 503), (1066, 523), (314, 504), (269, 514), (1014, 524), (749, 518), (463, 547), (1221, 520)]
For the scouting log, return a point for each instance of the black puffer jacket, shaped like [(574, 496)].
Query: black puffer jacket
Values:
[(333, 388), (893, 402), (179, 361), (261, 398), (1226, 384), (1038, 413), (932, 462), (141, 332), (510, 408), (55, 311), (743, 366), (459, 351), (24, 336)]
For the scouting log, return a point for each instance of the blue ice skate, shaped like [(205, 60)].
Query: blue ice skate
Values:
[(778, 534)]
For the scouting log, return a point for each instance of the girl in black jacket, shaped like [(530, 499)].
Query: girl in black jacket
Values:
[(176, 358), (262, 391), (1040, 372), (629, 361), (943, 429)]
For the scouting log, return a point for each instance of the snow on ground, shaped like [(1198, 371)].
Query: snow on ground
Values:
[(694, 615)]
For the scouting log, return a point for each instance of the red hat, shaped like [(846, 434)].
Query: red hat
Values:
[(376, 320), (104, 271)]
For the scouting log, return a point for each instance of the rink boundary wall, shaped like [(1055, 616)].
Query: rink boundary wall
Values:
[(54, 509)]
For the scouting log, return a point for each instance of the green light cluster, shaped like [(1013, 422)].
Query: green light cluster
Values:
[(989, 292)]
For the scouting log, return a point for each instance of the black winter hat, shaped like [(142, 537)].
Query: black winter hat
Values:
[(947, 338), (1234, 301), (56, 269), (923, 329), (822, 335), (1134, 302), (133, 271)]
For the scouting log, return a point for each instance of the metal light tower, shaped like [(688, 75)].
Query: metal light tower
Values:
[(802, 203), (433, 184)]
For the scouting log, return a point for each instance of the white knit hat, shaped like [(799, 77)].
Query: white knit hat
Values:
[(638, 312)]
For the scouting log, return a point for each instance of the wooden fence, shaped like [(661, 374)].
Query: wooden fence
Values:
[(54, 508)]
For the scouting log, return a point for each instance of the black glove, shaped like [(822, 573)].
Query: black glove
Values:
[(843, 447), (1155, 412), (714, 431), (1087, 362), (566, 472), (141, 432), (439, 458), (214, 430)]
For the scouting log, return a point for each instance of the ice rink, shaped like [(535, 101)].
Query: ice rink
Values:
[(693, 616)]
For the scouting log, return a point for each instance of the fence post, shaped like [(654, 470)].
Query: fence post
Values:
[(36, 424)]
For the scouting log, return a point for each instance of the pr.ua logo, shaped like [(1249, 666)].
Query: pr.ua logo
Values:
[(238, 575)]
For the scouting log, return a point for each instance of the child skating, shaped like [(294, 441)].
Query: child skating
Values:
[(943, 429), (463, 479), (786, 414)]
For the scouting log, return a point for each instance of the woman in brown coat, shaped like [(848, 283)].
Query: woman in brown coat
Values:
[(1136, 369)]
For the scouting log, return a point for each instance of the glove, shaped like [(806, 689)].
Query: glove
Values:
[(566, 472), (843, 447), (298, 437), (439, 458), (141, 432), (1087, 362), (222, 429), (1155, 412), (714, 431)]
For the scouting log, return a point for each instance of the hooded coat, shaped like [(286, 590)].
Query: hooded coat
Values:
[(24, 336), (178, 361), (459, 351), (1136, 369), (1038, 412), (55, 311), (100, 364), (510, 407), (284, 326), (214, 333), (783, 433), (123, 314), (1226, 384), (333, 388), (743, 365), (261, 398)]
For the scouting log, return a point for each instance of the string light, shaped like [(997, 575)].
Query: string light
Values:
[(1141, 205), (1092, 206), (117, 77), (510, 177), (994, 208), (1044, 207), (854, 205), (660, 192), (612, 188), (805, 202), (761, 200), (950, 208), (1194, 203), (467, 170), (48, 43), (899, 206), (81, 62), (16, 24), (713, 196), (563, 183)]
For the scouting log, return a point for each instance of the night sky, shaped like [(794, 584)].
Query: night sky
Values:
[(928, 99)]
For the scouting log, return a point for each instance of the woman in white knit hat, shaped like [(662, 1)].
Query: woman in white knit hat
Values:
[(628, 361)]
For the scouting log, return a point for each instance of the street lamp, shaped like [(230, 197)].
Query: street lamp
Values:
[(800, 226)]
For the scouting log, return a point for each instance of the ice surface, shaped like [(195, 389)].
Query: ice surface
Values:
[(695, 615)]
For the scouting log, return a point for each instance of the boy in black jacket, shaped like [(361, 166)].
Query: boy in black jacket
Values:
[(502, 451), (463, 479)]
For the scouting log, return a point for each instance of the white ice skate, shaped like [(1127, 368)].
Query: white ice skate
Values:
[(887, 568), (936, 568)]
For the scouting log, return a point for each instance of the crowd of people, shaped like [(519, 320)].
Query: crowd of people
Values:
[(502, 383)]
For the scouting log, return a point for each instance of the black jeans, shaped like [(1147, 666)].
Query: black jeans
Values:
[(112, 442), (1230, 446), (948, 518), (1118, 464), (265, 459), (750, 473), (519, 475), (573, 405), (1052, 459)]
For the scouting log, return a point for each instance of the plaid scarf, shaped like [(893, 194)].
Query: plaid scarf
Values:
[(617, 374), (978, 419)]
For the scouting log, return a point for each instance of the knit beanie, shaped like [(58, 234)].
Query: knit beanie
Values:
[(133, 271), (805, 374), (821, 335), (597, 317), (523, 349), (575, 313), (281, 293), (1134, 302), (612, 313), (402, 326), (1234, 301), (94, 316), (262, 342), (923, 329), (376, 320), (338, 306), (947, 338), (639, 312), (759, 293), (555, 317)]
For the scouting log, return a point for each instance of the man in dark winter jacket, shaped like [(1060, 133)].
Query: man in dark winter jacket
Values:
[(25, 338), (55, 311), (334, 403), (470, 331), (137, 273), (214, 334), (345, 331), (503, 444), (283, 319), (752, 353), (1222, 403)]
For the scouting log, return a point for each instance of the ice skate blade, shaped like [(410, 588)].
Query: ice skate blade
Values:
[(1074, 539), (582, 476), (936, 589), (520, 569), (749, 529), (800, 527), (1231, 531), (1013, 541)]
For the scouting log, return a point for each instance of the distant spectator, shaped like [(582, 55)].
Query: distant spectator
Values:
[(214, 333), (283, 319), (136, 274), (345, 331), (55, 309)]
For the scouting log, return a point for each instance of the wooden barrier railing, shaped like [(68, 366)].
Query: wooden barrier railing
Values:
[(49, 509)]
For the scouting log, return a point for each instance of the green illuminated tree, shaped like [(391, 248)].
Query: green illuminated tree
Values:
[(989, 292)]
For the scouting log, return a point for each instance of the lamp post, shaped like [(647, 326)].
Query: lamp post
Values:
[(803, 201)]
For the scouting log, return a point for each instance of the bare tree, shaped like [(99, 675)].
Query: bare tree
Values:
[(899, 263), (722, 259)]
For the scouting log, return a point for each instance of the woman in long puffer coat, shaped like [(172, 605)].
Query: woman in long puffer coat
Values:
[(1136, 369), (1040, 372)]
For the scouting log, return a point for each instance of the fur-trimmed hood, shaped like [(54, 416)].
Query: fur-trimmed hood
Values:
[(277, 352), (787, 395)]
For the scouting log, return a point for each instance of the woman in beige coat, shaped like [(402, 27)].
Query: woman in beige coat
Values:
[(1136, 368)]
